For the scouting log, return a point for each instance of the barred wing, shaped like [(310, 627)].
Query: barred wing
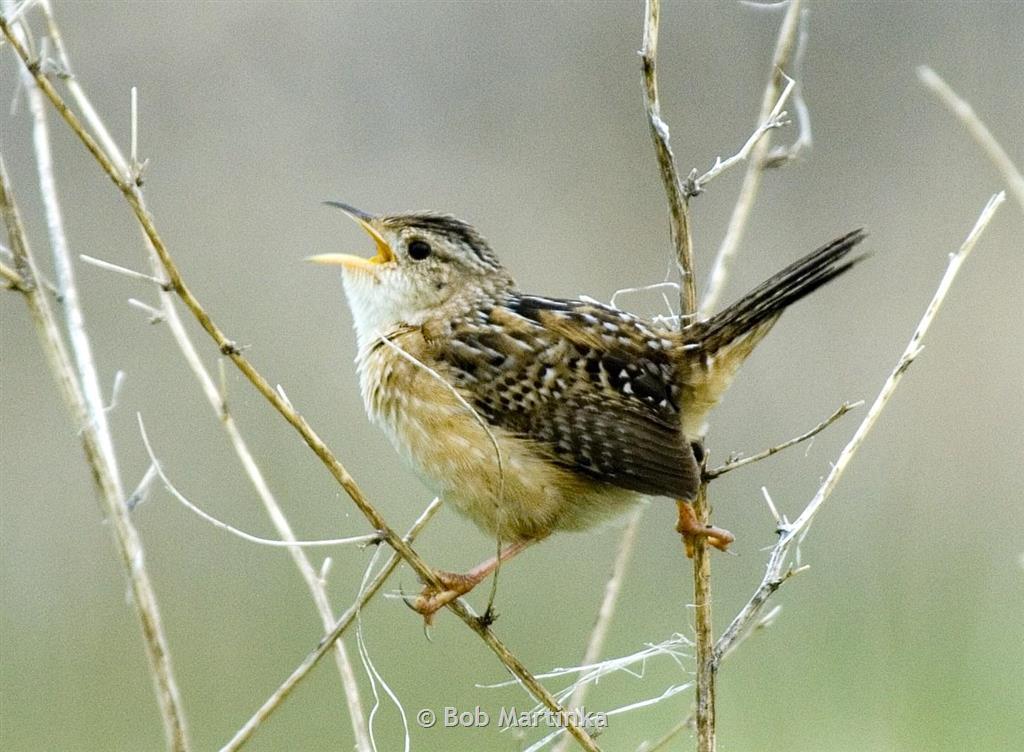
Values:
[(595, 388)]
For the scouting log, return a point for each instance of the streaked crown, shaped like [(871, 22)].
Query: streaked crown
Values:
[(425, 263)]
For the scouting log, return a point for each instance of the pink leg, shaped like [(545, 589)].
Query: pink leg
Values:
[(456, 584)]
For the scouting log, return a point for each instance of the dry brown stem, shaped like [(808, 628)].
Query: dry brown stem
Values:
[(83, 413), (679, 215), (231, 350), (168, 313)]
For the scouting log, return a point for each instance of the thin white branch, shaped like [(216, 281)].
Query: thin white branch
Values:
[(86, 401), (325, 569), (795, 532), (219, 524), (779, 519), (755, 165), (115, 390), (123, 270), (966, 114), (912, 350), (776, 119), (782, 155), (156, 316)]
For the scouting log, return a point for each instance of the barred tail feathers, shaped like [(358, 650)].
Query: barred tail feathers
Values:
[(750, 317), (725, 340)]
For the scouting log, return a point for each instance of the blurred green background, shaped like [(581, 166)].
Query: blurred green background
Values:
[(526, 119)]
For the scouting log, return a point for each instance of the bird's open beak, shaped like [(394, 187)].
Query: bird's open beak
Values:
[(384, 252)]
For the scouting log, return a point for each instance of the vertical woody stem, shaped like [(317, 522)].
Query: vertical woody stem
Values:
[(679, 215), (681, 238), (704, 638)]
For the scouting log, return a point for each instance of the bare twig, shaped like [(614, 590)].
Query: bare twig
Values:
[(679, 216), (737, 463), (782, 155), (704, 639), (777, 118), (221, 525), (230, 349), (605, 613), (84, 416), (978, 130), (123, 270), (682, 240), (168, 312), (755, 165), (156, 316), (795, 532), (279, 695)]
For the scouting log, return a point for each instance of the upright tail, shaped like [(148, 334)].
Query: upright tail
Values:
[(750, 317), (715, 349)]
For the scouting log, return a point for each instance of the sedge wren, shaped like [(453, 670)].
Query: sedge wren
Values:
[(532, 414)]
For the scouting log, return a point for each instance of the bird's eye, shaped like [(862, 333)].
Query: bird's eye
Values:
[(419, 250)]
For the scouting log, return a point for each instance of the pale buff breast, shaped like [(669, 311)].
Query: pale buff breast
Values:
[(522, 495)]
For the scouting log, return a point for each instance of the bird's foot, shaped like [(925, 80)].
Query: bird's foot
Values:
[(433, 598), (455, 584), (690, 529)]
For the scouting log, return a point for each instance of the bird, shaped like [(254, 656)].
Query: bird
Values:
[(531, 414)]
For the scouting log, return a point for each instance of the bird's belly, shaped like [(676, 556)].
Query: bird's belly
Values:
[(502, 482)]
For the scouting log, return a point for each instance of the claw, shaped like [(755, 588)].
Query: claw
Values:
[(432, 599), (691, 529), (454, 585)]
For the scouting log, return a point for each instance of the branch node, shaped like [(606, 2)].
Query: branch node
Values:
[(487, 618)]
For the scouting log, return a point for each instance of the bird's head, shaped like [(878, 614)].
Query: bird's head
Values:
[(423, 262)]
